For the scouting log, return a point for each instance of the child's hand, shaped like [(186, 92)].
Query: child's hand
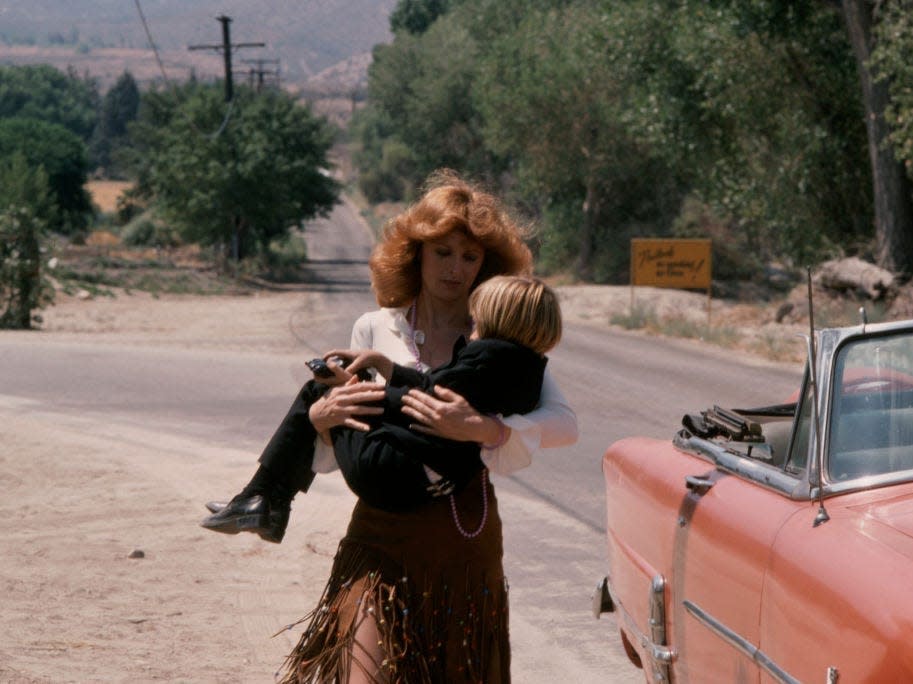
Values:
[(329, 372), (362, 359)]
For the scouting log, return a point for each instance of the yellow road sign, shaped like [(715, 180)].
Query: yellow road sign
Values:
[(670, 263)]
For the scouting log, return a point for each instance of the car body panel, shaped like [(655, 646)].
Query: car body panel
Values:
[(847, 585), (738, 554)]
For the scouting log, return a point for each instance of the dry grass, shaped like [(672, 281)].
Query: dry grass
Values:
[(105, 193)]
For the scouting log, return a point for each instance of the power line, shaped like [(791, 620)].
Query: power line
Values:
[(155, 50)]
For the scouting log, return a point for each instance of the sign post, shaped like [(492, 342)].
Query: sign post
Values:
[(683, 264)]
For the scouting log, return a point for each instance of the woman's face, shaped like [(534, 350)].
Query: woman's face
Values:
[(450, 265)]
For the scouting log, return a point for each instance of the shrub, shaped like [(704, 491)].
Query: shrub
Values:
[(22, 287), (147, 230), (25, 210)]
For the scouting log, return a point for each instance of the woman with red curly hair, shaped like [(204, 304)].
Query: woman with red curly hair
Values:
[(419, 595)]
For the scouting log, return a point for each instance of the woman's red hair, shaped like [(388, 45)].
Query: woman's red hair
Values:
[(449, 203)]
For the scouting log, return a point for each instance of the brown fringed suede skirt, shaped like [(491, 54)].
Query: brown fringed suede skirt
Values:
[(437, 598)]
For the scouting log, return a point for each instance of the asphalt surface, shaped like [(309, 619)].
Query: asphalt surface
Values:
[(619, 384)]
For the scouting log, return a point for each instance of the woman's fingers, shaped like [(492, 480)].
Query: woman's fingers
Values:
[(449, 416), (421, 406), (343, 403)]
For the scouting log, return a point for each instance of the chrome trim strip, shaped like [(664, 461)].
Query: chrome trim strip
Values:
[(779, 480), (602, 599), (743, 466), (740, 644), (659, 655)]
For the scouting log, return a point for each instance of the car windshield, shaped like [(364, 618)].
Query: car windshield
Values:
[(871, 425)]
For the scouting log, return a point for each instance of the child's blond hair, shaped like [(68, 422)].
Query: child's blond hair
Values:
[(519, 309)]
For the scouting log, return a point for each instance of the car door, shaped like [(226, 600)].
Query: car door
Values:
[(727, 524)]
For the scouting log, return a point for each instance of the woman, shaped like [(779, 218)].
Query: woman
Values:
[(420, 596)]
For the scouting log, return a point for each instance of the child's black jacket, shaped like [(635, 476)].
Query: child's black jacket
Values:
[(384, 465)]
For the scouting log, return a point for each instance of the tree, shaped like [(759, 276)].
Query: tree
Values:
[(25, 210), (883, 49), (385, 163), (892, 64), (45, 93), (119, 107), (420, 102), (607, 118), (416, 16), (63, 156), (235, 174), (747, 101), (553, 105)]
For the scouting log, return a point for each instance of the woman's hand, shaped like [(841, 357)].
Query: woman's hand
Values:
[(448, 415), (343, 405)]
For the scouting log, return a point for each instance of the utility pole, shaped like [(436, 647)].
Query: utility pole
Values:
[(226, 48), (260, 72)]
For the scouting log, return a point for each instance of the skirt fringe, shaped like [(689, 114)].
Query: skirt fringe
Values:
[(438, 602)]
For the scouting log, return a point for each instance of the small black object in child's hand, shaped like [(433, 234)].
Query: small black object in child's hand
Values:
[(322, 370)]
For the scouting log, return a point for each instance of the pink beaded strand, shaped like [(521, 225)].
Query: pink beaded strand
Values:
[(456, 517), (410, 339), (410, 342)]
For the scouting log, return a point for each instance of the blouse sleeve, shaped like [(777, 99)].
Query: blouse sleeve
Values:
[(552, 423), (362, 338), (362, 334)]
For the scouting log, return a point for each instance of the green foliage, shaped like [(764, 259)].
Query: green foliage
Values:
[(415, 16), (420, 98), (893, 61), (46, 115), (386, 162), (285, 256), (734, 255), (129, 205), (63, 156), (148, 230), (45, 93), (601, 117), (118, 109), (25, 209), (756, 104), (561, 122), (235, 174)]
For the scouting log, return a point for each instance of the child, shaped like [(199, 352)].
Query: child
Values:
[(517, 319)]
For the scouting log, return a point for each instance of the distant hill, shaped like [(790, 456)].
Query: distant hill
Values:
[(321, 45)]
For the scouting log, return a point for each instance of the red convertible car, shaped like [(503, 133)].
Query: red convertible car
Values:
[(774, 544)]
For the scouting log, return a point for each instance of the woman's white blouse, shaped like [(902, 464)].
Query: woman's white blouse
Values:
[(552, 423)]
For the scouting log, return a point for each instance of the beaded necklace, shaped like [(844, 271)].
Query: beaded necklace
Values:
[(413, 347), (456, 517), (413, 334)]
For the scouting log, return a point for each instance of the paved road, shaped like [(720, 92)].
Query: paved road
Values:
[(619, 384)]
